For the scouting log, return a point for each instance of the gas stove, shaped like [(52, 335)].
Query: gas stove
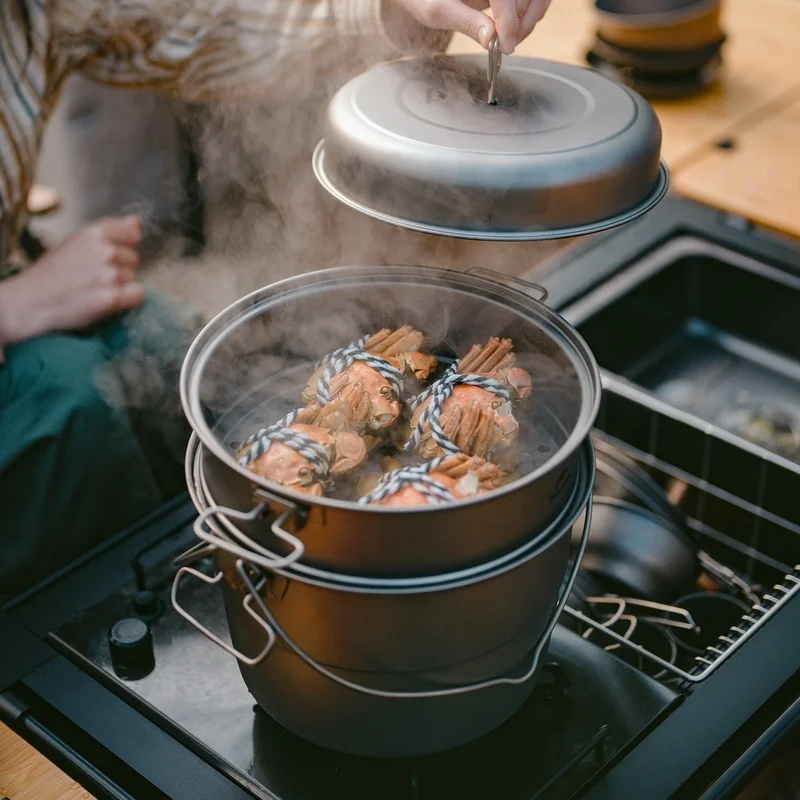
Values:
[(170, 717)]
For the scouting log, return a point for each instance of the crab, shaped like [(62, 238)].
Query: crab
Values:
[(341, 453), (461, 476), (360, 396), (496, 360), (476, 420)]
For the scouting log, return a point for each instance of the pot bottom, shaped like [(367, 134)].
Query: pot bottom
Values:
[(336, 718)]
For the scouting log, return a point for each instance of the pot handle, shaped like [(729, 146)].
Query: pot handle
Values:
[(256, 553), (472, 687), (246, 603), (506, 280)]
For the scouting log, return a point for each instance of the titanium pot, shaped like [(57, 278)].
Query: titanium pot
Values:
[(246, 369), (636, 553), (420, 666), (652, 25), (562, 151)]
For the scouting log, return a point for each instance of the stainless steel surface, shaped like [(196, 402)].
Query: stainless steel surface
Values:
[(248, 365), (538, 647), (564, 151), (430, 709), (223, 534), (417, 629)]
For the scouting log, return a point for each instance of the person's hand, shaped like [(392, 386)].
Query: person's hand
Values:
[(514, 20), (89, 277)]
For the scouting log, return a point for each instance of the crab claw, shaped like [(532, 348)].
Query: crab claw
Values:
[(351, 453)]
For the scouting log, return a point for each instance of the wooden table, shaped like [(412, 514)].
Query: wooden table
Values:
[(755, 104), (25, 774)]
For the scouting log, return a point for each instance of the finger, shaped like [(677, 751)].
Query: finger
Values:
[(127, 296), (532, 16), (122, 230), (506, 22), (125, 257), (453, 15), (123, 276)]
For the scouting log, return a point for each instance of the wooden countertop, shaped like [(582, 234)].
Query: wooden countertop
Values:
[(755, 104), (25, 774)]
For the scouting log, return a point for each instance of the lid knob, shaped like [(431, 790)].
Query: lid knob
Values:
[(495, 58)]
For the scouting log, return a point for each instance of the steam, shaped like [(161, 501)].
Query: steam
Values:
[(267, 219)]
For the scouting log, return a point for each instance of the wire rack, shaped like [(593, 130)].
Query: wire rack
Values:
[(697, 460)]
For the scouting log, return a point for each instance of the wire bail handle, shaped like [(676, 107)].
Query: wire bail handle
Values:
[(495, 58)]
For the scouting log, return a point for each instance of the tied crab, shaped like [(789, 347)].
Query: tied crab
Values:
[(301, 456), (443, 480), (359, 386), (469, 409)]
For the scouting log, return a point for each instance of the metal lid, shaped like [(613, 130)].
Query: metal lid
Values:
[(564, 151)]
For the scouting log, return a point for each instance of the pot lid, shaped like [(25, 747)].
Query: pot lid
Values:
[(564, 150)]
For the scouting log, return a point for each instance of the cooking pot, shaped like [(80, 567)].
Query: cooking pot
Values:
[(247, 366), (660, 24), (619, 477), (510, 150), (397, 667), (636, 553)]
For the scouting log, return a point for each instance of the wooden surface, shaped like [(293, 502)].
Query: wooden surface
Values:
[(754, 102), (25, 774), (759, 177)]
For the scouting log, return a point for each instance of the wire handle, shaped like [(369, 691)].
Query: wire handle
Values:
[(247, 603), (253, 551), (511, 280), (472, 687)]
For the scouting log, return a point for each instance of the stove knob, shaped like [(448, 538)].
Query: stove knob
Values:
[(146, 606), (130, 644)]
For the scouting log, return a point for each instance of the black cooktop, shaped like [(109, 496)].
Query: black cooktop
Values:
[(595, 728), (586, 708)]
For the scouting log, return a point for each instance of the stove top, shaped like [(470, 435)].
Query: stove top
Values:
[(587, 706), (595, 727)]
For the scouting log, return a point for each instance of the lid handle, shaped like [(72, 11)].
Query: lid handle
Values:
[(495, 57)]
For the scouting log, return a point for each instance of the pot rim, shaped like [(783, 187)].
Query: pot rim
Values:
[(657, 18), (429, 584), (221, 325), (650, 201)]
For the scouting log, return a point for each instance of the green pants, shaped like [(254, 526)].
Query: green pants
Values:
[(91, 435)]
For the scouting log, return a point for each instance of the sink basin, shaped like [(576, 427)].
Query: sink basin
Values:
[(696, 339)]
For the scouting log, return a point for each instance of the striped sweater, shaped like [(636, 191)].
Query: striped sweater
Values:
[(196, 50)]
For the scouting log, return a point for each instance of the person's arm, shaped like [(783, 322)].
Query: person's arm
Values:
[(206, 50)]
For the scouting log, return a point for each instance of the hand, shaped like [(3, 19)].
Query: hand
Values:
[(514, 20), (89, 277)]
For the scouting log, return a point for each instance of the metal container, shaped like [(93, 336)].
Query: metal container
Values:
[(399, 667), (563, 151), (660, 25), (247, 366), (636, 553)]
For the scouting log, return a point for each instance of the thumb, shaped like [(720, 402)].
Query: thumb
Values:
[(455, 15)]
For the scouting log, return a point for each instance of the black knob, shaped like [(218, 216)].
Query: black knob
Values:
[(130, 644), (146, 606)]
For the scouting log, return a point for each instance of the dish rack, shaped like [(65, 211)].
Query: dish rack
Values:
[(744, 544)]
